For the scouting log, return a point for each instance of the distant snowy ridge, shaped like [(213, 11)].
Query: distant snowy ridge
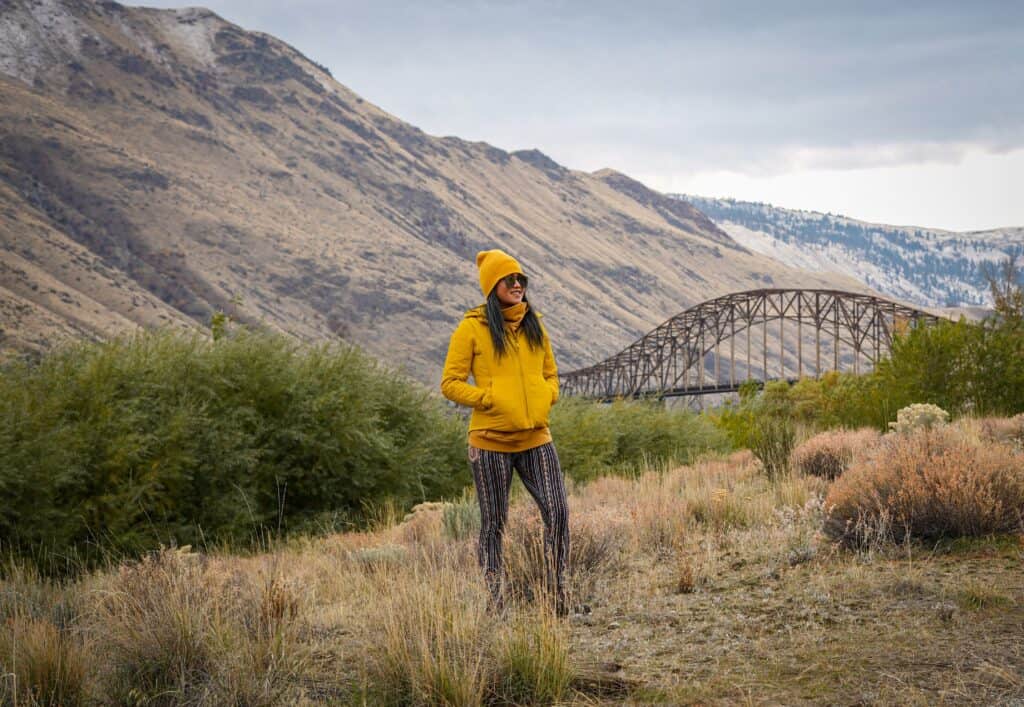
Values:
[(924, 266)]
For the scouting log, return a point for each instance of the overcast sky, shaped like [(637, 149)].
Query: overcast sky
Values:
[(897, 112)]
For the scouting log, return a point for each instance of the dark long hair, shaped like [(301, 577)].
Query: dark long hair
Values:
[(496, 324)]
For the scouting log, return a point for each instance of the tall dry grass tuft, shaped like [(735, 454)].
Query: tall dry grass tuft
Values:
[(532, 662), (177, 628), (159, 636), (724, 495), (432, 639), (259, 616), (1002, 430), (44, 655), (927, 484), (41, 664), (722, 504), (596, 546), (597, 541), (829, 454), (657, 511), (430, 624)]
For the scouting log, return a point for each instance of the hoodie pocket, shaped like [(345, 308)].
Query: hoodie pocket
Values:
[(540, 396), (508, 405)]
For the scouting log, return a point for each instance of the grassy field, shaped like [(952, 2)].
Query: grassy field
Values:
[(697, 584)]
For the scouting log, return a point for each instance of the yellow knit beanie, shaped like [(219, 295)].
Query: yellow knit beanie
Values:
[(494, 265)]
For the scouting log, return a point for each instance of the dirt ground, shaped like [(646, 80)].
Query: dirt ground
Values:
[(775, 621)]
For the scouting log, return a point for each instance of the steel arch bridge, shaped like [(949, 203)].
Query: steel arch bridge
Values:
[(683, 356)]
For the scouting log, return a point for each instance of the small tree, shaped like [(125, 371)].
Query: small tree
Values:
[(762, 422), (1007, 286), (1001, 360)]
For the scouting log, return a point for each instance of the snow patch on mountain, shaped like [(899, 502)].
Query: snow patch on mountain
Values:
[(818, 258), (928, 267)]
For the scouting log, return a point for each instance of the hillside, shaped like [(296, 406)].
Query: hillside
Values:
[(923, 266), (159, 165)]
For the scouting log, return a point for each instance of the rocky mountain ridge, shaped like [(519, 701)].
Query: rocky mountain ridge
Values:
[(157, 166)]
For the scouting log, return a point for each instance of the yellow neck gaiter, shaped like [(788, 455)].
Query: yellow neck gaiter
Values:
[(513, 316)]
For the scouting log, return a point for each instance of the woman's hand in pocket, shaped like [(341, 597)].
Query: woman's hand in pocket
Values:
[(487, 400)]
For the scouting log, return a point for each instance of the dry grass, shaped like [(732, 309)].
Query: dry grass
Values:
[(705, 583), (180, 628), (43, 657), (1001, 430), (829, 454), (431, 641), (47, 665)]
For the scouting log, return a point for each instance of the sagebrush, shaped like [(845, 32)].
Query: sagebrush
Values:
[(928, 484), (828, 454)]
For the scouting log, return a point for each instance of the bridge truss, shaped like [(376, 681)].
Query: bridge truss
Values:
[(684, 355)]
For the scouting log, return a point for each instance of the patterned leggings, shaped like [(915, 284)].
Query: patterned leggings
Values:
[(542, 477)]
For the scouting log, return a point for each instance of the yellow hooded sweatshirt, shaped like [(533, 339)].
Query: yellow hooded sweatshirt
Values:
[(512, 394)]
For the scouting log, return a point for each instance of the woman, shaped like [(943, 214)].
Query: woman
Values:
[(515, 382)]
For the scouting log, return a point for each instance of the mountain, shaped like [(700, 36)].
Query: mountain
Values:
[(157, 166), (923, 266)]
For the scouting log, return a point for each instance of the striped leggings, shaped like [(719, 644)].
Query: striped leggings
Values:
[(542, 477)]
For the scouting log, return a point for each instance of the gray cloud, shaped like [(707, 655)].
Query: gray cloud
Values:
[(679, 87)]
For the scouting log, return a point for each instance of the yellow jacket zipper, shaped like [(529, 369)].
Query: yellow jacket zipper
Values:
[(522, 380)]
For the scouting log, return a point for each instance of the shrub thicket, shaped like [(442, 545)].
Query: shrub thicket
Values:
[(161, 438), (928, 484), (964, 367), (595, 439)]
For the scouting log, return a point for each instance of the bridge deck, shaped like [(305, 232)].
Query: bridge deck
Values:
[(687, 392)]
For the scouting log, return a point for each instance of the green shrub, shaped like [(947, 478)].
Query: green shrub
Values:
[(962, 367), (764, 423), (595, 439), (772, 439), (159, 437)]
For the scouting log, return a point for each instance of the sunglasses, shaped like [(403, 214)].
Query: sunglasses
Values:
[(510, 280)]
